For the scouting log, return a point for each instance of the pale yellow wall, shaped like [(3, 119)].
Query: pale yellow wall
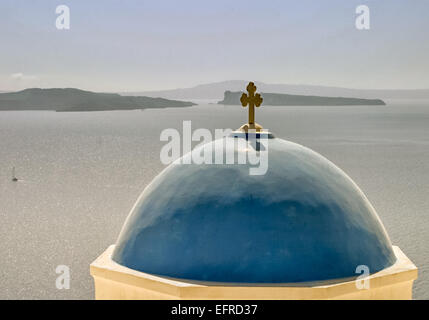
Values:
[(113, 281)]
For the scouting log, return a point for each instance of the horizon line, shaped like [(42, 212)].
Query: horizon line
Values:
[(219, 82)]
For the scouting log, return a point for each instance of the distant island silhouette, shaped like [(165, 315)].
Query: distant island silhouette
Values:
[(280, 99), (216, 91), (70, 99)]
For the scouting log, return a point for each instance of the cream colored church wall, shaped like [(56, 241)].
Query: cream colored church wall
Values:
[(113, 281)]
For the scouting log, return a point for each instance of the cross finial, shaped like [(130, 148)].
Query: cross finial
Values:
[(252, 100)]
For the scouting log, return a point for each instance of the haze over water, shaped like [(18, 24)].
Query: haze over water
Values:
[(82, 172)]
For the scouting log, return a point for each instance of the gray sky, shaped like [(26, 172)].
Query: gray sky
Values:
[(142, 45)]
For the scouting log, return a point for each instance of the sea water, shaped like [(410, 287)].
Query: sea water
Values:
[(80, 174)]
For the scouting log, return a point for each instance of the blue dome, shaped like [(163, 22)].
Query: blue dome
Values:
[(304, 220)]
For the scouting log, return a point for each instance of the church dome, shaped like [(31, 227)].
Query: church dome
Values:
[(303, 220)]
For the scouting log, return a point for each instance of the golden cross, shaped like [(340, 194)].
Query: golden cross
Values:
[(251, 99)]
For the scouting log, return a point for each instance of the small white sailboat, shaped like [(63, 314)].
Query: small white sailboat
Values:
[(14, 178)]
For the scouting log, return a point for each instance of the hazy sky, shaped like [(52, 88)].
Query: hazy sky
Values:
[(148, 45)]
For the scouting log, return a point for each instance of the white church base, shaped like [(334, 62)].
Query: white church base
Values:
[(113, 281)]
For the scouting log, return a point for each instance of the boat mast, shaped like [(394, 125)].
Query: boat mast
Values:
[(14, 178)]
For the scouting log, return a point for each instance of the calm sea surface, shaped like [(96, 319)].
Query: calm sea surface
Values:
[(82, 172)]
